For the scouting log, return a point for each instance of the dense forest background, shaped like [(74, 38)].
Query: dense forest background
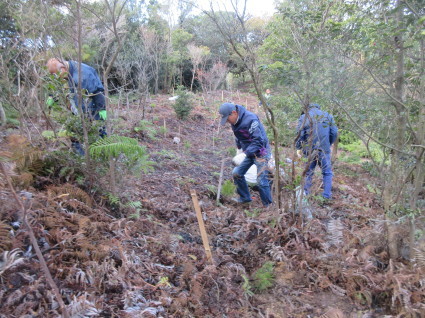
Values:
[(363, 61)]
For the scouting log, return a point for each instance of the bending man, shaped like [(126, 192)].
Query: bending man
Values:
[(90, 82)]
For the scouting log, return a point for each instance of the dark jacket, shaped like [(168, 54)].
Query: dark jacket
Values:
[(317, 130), (90, 82), (250, 134)]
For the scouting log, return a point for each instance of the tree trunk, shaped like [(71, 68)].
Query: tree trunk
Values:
[(396, 171), (2, 116)]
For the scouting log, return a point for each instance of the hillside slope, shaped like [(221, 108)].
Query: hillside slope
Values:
[(151, 262)]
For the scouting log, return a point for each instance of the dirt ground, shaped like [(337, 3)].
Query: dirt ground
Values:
[(112, 263)]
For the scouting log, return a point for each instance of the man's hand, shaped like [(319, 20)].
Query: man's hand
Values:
[(299, 153)]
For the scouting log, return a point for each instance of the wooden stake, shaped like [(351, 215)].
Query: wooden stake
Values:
[(165, 129), (222, 96), (220, 181), (201, 226)]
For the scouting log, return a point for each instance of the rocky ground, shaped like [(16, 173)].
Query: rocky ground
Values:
[(148, 260)]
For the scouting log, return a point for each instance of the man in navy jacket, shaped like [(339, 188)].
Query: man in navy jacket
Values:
[(90, 82), (252, 139), (317, 132)]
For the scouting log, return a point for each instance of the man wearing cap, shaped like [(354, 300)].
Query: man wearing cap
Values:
[(252, 139), (317, 132)]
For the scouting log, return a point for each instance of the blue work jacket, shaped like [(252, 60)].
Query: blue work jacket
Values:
[(90, 80), (317, 131), (250, 134)]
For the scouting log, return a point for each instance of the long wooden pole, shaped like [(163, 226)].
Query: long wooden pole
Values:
[(201, 226)]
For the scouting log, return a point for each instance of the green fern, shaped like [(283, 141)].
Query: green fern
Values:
[(113, 199), (113, 146), (134, 204), (263, 277)]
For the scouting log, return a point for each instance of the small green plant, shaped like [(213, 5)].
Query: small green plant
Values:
[(184, 180), (252, 213), (372, 189), (165, 154), (263, 278), (135, 215), (359, 150), (216, 139), (134, 204), (187, 145), (48, 134), (183, 104), (231, 151), (212, 189), (125, 151), (246, 286), (163, 282), (350, 158), (228, 188), (146, 129), (319, 199), (163, 130), (113, 199)]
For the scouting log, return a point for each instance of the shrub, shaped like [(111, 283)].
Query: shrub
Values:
[(183, 104), (347, 137), (358, 149)]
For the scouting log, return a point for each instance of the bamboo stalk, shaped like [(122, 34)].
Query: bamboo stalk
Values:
[(201, 226)]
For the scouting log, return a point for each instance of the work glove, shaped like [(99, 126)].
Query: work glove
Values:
[(103, 114), (237, 160)]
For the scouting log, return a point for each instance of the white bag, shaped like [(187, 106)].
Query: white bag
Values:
[(251, 174)]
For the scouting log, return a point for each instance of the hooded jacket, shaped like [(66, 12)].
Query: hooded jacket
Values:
[(250, 134), (90, 82), (317, 130)]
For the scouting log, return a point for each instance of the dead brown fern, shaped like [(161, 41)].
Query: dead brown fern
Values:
[(5, 239), (333, 313), (68, 191), (28, 159), (23, 180), (419, 253), (335, 232)]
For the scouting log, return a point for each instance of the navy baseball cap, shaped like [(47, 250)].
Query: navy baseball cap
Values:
[(225, 110)]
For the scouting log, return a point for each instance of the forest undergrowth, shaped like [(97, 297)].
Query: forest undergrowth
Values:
[(139, 253)]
